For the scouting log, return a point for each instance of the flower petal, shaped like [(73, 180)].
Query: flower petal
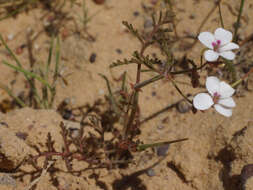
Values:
[(202, 101), (225, 90), (211, 55), (223, 35), (223, 111), (227, 55), (206, 38), (227, 102), (229, 46), (212, 85)]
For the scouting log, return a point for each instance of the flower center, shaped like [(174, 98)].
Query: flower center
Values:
[(216, 97), (216, 45)]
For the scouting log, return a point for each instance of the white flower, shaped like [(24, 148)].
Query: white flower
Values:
[(219, 44), (220, 97)]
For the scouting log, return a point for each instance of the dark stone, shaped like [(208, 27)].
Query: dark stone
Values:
[(150, 172), (162, 150), (136, 13), (119, 51), (93, 57)]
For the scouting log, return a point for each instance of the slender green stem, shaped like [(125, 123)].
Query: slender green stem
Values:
[(159, 77), (143, 147), (28, 73), (132, 114), (49, 60), (56, 71), (57, 61), (237, 25), (111, 96), (21, 67), (10, 51), (146, 82), (45, 75), (221, 19)]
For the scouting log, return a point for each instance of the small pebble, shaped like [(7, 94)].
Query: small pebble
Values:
[(136, 13), (19, 50), (36, 46), (67, 114), (192, 16), (150, 172), (101, 92), (93, 57), (21, 135), (119, 51), (162, 150), (153, 93), (74, 132), (183, 107), (29, 30), (148, 23), (10, 36)]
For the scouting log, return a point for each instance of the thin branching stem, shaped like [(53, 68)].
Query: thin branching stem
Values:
[(159, 77), (136, 91)]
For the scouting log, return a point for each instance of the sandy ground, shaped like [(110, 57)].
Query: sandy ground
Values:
[(218, 147)]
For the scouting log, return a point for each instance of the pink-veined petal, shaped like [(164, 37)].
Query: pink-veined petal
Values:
[(202, 101), (223, 111), (211, 55), (223, 35), (225, 90), (206, 38), (229, 46), (227, 102), (229, 55), (212, 85)]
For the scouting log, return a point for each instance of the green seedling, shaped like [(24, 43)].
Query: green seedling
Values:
[(48, 89)]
